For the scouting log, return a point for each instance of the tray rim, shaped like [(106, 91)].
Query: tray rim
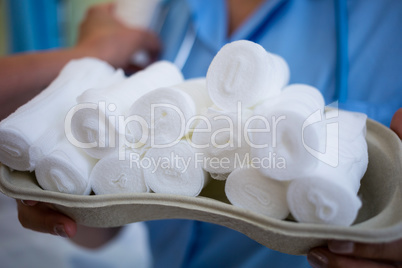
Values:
[(218, 208)]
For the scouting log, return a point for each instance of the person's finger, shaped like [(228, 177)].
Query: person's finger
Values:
[(396, 123), (381, 251), (101, 8), (29, 203), (42, 218), (151, 42), (110, 7), (323, 258)]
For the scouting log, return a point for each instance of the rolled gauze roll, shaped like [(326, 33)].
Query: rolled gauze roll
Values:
[(243, 71), (247, 188), (346, 145), (97, 127), (114, 175), (291, 131), (323, 197), (328, 195), (167, 112), (45, 114), (196, 88), (219, 140), (136, 13), (66, 169), (309, 95), (174, 170), (319, 198)]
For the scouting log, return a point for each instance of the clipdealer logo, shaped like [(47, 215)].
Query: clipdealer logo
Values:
[(109, 130)]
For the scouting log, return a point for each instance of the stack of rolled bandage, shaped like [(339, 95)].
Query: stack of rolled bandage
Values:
[(284, 145), (155, 156), (168, 115), (328, 194), (100, 118), (275, 146), (33, 137)]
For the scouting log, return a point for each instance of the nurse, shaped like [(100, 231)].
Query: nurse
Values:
[(305, 34)]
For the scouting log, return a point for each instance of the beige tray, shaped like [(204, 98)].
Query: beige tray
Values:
[(379, 220)]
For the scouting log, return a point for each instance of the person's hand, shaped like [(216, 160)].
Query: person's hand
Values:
[(396, 123), (103, 36), (44, 218), (350, 254)]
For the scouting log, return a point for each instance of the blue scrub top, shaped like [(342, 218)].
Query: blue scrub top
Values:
[(304, 33)]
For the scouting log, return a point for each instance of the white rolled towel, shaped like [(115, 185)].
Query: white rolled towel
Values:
[(308, 95), (328, 195), (196, 88), (220, 140), (346, 144), (114, 175), (136, 13), (324, 197), (167, 112), (174, 170), (66, 169), (287, 128), (243, 71), (247, 188), (97, 127), (45, 114), (352, 124)]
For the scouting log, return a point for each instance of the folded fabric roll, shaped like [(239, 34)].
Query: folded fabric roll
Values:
[(346, 145), (167, 112), (220, 141), (136, 13), (290, 133), (280, 72), (45, 114), (196, 88), (97, 127), (112, 175), (329, 194), (174, 170), (243, 71), (247, 188), (353, 124), (66, 169), (324, 197), (308, 95)]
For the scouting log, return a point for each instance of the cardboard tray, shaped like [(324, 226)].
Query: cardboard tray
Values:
[(379, 220)]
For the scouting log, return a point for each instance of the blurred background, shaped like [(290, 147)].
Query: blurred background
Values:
[(29, 25)]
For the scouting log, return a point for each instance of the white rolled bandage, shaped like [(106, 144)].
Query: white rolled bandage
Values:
[(243, 71), (290, 131), (247, 188), (174, 170)]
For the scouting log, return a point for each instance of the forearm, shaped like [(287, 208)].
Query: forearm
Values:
[(93, 238), (24, 75)]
